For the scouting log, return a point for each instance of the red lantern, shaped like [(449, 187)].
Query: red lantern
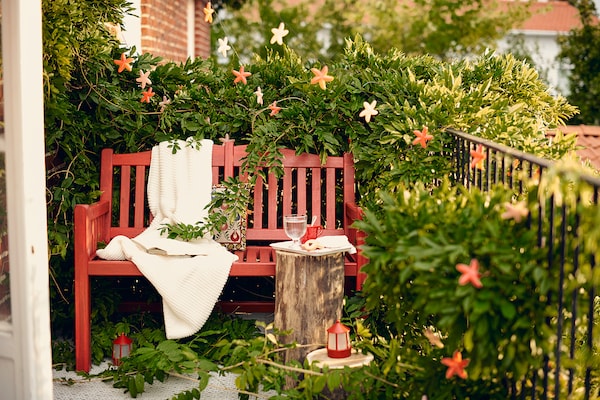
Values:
[(338, 341), (121, 348)]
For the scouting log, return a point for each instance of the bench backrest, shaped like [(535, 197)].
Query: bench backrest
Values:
[(307, 186)]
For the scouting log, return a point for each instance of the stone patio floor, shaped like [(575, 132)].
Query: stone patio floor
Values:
[(219, 387)]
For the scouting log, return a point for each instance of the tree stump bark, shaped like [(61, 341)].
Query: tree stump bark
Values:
[(309, 294)]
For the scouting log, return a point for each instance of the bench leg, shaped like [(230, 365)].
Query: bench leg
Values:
[(83, 323)]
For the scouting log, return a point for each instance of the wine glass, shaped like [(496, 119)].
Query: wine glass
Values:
[(294, 226)]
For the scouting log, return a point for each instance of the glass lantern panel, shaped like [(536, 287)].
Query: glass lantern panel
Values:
[(342, 342), (331, 342), (116, 351)]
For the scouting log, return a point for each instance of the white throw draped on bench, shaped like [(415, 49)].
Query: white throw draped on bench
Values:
[(188, 275)]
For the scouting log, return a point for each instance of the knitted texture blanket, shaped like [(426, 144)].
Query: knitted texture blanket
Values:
[(188, 275)]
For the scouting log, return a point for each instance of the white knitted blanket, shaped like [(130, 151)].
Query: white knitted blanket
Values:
[(188, 275)]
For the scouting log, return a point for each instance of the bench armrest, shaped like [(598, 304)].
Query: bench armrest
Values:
[(91, 225), (353, 213), (357, 238)]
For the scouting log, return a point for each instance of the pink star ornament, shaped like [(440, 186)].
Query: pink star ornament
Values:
[(515, 211), (259, 96), (144, 79), (321, 77), (469, 274), (241, 75)]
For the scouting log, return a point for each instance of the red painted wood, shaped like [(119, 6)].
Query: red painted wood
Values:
[(294, 192), (140, 195), (124, 196), (271, 206)]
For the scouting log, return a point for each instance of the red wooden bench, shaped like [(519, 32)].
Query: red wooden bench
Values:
[(325, 190)]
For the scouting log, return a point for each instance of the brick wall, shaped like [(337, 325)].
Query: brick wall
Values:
[(164, 27), (201, 31)]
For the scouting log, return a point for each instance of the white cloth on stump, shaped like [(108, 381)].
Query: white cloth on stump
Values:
[(188, 275)]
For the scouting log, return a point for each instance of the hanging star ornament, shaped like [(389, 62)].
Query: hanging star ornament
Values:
[(226, 139), (369, 110), (208, 13), (124, 63), (278, 34), (456, 365), (259, 95), (164, 103), (423, 137), (241, 75), (469, 274), (433, 337), (144, 79), (224, 47), (147, 95), (515, 211), (477, 158), (321, 77), (274, 109)]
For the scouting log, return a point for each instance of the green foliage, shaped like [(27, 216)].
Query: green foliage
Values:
[(413, 271), (442, 28), (76, 44), (580, 49), (418, 237)]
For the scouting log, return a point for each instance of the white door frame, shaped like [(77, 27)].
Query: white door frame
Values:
[(25, 344)]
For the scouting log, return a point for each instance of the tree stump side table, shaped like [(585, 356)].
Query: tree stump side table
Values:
[(309, 295)]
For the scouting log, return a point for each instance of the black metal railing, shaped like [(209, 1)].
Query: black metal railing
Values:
[(568, 371)]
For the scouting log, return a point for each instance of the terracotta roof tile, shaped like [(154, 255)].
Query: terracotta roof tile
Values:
[(588, 137), (555, 16)]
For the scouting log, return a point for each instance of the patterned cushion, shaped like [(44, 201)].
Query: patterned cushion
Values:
[(233, 233)]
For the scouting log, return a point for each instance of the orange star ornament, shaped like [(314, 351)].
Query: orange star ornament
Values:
[(124, 63), (456, 365), (469, 274), (321, 77), (241, 75), (147, 95), (477, 157), (422, 137), (208, 13), (274, 108)]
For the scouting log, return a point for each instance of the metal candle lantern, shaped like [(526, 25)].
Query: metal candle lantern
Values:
[(338, 341), (121, 348)]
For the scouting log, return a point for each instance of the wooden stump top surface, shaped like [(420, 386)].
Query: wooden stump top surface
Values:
[(356, 359)]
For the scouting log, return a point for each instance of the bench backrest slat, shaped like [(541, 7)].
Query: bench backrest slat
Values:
[(307, 186), (140, 195), (125, 191)]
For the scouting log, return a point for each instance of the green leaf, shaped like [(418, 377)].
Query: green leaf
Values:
[(334, 380), (508, 309), (203, 378)]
